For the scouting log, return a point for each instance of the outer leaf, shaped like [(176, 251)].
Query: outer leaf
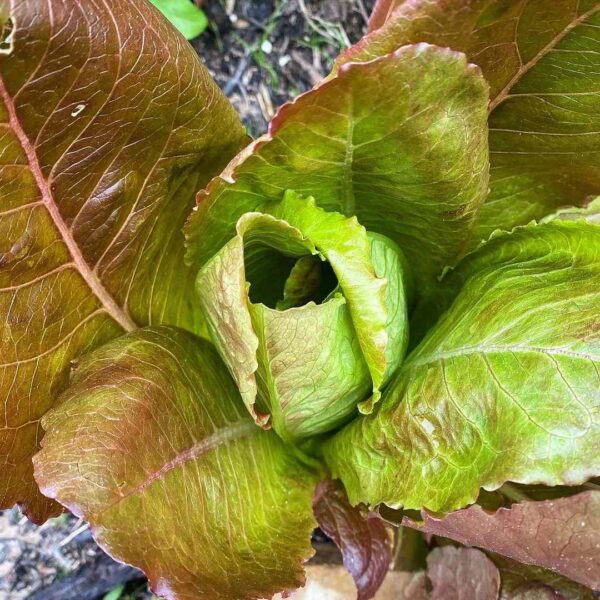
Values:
[(184, 15), (109, 125), (457, 574), (364, 542), (561, 535), (504, 387), (153, 447), (399, 142), (382, 11), (538, 57)]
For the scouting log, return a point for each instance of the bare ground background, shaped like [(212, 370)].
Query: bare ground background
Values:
[(262, 53)]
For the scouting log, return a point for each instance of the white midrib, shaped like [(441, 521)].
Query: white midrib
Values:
[(349, 200), (505, 92), (96, 286)]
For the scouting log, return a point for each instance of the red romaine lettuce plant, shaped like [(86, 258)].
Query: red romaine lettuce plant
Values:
[(400, 280)]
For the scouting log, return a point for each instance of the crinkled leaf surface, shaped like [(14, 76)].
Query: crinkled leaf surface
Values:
[(311, 367), (504, 387), (152, 445), (540, 60), (307, 367), (364, 541), (400, 142), (561, 534), (223, 294), (109, 126), (345, 245)]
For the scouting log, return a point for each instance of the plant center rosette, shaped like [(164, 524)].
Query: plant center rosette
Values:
[(309, 312)]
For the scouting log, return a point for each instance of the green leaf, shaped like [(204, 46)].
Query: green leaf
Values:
[(544, 112), (345, 245), (110, 124), (504, 387), (304, 281), (153, 447), (400, 142), (309, 364), (559, 534), (311, 370), (390, 264), (223, 294), (184, 15)]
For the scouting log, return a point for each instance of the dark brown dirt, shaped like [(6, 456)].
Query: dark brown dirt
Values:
[(262, 53), (265, 52)]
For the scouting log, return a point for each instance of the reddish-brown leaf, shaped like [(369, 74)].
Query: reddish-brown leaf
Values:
[(455, 574), (152, 445), (462, 574), (364, 541), (562, 535), (382, 11), (110, 124)]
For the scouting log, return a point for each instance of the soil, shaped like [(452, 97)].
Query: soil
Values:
[(265, 52), (262, 53)]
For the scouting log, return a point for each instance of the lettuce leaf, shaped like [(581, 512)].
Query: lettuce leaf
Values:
[(153, 447), (103, 150), (399, 142), (544, 109), (457, 573), (504, 387), (560, 534), (306, 366), (589, 212), (526, 582), (382, 11), (363, 540)]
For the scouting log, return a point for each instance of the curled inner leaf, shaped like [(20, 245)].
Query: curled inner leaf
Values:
[(308, 312)]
